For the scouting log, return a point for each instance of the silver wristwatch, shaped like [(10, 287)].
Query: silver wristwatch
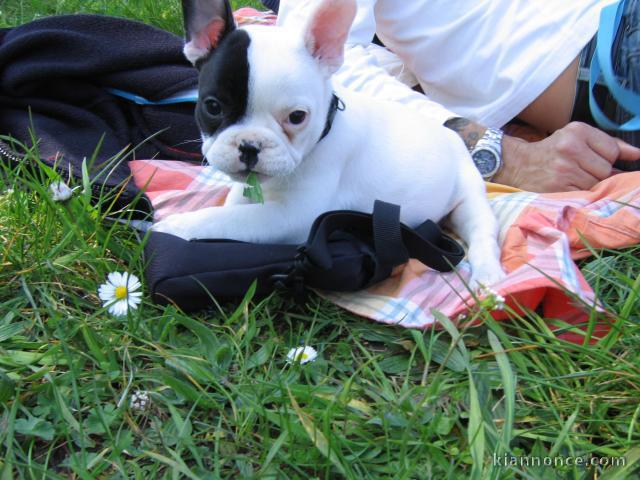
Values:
[(487, 153)]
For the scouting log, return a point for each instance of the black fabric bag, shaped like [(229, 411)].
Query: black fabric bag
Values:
[(55, 73), (345, 251)]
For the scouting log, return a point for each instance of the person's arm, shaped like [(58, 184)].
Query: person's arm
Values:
[(575, 157), (469, 131)]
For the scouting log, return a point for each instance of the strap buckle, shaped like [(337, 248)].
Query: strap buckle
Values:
[(294, 279)]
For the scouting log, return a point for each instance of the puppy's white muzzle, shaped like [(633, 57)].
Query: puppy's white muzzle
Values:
[(241, 148)]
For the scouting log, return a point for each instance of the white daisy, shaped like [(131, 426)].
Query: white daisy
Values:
[(491, 300), (60, 191), (302, 355), (119, 293), (499, 303), (139, 400)]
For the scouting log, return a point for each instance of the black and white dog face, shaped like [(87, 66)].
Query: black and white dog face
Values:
[(264, 92)]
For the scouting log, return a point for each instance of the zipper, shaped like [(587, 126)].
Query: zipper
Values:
[(96, 188), (6, 152)]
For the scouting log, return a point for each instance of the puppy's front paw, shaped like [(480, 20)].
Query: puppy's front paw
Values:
[(486, 275), (175, 225)]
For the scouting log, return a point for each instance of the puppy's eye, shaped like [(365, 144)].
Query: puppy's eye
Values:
[(213, 107), (297, 117)]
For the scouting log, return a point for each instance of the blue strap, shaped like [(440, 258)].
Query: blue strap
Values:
[(143, 101), (610, 19)]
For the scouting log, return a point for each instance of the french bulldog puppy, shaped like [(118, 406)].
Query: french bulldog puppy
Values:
[(267, 105)]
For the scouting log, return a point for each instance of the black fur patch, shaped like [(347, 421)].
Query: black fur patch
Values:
[(224, 76)]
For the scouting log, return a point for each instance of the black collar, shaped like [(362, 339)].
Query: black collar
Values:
[(335, 105)]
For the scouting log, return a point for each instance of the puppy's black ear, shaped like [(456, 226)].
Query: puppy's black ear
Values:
[(206, 22)]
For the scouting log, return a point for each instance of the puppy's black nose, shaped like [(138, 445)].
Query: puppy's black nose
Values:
[(248, 154)]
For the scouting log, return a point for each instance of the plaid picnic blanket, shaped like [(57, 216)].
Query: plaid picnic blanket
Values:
[(541, 236), (251, 16)]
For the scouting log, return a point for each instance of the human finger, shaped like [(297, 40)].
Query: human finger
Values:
[(594, 164), (627, 151), (583, 180), (602, 144), (587, 148)]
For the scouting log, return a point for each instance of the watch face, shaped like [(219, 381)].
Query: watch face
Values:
[(485, 161)]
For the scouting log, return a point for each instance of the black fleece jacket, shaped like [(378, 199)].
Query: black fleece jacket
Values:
[(54, 73)]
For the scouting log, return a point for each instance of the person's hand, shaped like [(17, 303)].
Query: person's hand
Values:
[(575, 157)]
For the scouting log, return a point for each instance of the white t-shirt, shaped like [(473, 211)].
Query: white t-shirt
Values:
[(482, 59)]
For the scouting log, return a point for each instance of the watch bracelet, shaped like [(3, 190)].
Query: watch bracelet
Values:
[(491, 140)]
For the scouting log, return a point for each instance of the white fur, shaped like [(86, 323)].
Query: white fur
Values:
[(375, 150), (193, 53)]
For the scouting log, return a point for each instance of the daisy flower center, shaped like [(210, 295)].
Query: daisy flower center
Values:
[(303, 356), (121, 293)]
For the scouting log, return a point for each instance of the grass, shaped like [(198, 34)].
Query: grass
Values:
[(379, 402)]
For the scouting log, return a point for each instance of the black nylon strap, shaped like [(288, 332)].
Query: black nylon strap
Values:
[(451, 251), (387, 236), (427, 243)]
